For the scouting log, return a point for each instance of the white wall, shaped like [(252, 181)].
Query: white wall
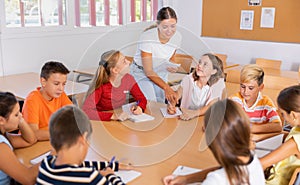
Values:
[(24, 52)]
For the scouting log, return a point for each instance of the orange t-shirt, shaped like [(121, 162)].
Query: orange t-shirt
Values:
[(37, 110)]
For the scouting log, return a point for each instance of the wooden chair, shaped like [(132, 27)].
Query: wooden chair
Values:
[(130, 58), (295, 179), (267, 63), (223, 57), (233, 76), (185, 62)]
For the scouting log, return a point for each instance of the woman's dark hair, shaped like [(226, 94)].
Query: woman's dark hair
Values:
[(165, 13), (7, 103), (289, 99)]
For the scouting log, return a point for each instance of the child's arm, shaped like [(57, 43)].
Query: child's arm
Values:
[(10, 165), (266, 127), (287, 149), (186, 179), (25, 138), (41, 135)]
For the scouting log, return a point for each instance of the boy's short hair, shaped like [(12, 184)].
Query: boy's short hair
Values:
[(252, 72), (53, 67), (66, 125)]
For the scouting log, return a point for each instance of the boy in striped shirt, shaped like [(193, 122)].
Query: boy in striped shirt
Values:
[(260, 108), (69, 130)]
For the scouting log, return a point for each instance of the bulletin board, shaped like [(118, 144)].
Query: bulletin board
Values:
[(221, 18)]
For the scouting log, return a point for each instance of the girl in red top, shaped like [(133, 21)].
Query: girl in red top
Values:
[(111, 87)]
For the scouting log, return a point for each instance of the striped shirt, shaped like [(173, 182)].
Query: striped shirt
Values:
[(86, 173), (262, 111)]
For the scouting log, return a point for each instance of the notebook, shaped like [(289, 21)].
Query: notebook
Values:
[(39, 158), (167, 115), (185, 170), (264, 147), (136, 118), (128, 175)]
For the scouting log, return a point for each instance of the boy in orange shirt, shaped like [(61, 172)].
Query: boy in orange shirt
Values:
[(45, 100)]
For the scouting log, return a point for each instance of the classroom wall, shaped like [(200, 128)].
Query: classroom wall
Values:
[(79, 47)]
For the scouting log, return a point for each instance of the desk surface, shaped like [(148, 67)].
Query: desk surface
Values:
[(131, 144), (22, 84)]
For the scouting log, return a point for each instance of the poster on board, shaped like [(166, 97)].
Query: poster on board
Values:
[(267, 18), (247, 17)]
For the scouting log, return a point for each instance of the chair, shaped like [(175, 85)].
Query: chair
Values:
[(233, 76), (185, 62), (268, 63), (295, 179), (223, 57)]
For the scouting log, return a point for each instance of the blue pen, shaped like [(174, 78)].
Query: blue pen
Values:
[(111, 161), (136, 105)]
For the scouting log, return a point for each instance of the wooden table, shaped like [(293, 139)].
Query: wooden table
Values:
[(132, 141), (22, 84)]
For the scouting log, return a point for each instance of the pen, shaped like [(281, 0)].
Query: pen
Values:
[(111, 161), (136, 104)]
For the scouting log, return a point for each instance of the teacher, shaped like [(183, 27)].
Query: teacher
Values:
[(155, 49)]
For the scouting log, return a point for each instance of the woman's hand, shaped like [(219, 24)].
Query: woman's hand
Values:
[(174, 180), (170, 94)]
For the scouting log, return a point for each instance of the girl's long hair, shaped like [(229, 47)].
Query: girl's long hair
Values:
[(227, 134), (289, 99), (108, 61)]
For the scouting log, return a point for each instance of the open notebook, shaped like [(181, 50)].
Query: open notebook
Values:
[(185, 170), (136, 118), (264, 147)]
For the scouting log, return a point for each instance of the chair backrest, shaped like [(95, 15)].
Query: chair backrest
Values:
[(185, 62), (233, 76), (295, 179), (268, 63), (223, 57)]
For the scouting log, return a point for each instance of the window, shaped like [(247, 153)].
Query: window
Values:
[(29, 13), (26, 13)]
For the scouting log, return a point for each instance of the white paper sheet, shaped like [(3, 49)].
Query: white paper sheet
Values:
[(128, 175), (39, 158), (164, 66), (136, 118), (167, 115), (266, 146), (185, 170)]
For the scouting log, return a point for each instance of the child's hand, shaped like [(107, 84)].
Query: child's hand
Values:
[(120, 117), (174, 180), (106, 171), (135, 109), (125, 166), (171, 109), (188, 114)]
